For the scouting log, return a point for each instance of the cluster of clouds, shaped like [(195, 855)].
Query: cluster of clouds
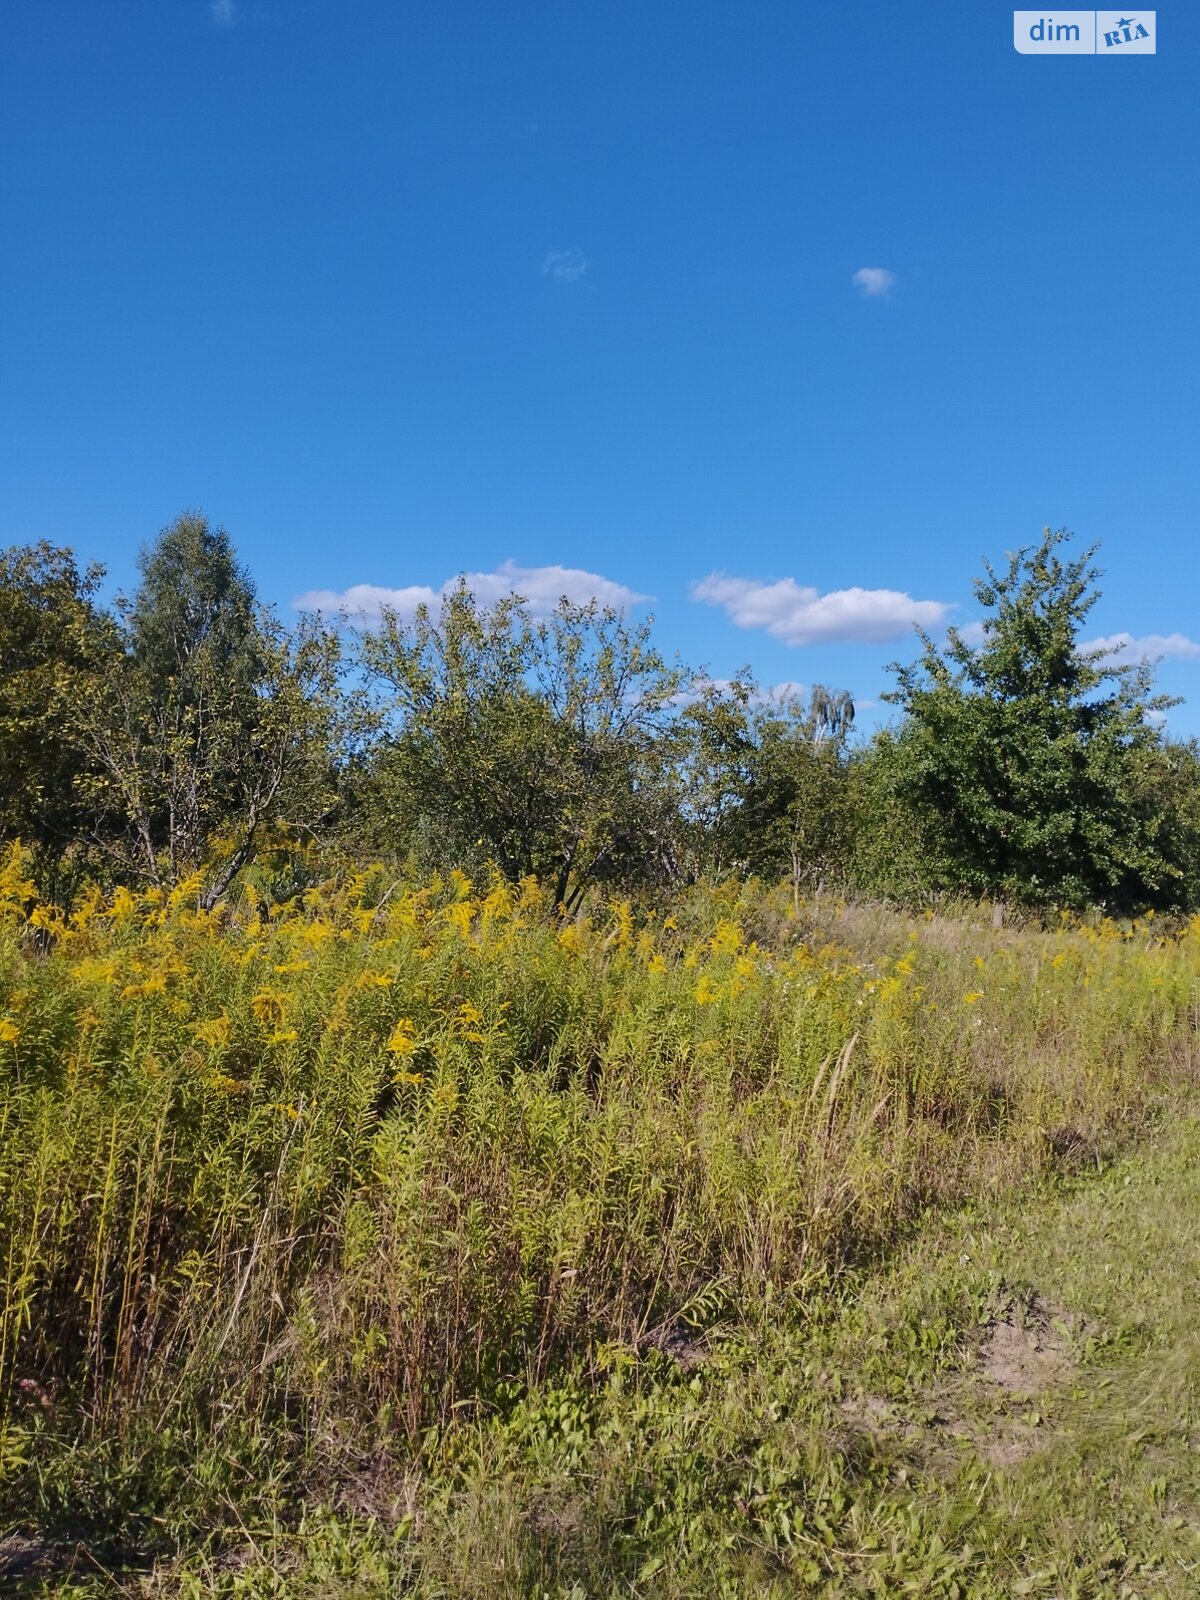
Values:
[(1116, 649), (541, 587), (785, 609), (797, 614), (794, 613), (1124, 650)]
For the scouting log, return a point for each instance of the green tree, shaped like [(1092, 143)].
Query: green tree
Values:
[(1171, 794), (54, 642), (716, 760), (194, 610), (1027, 758), (543, 745), (765, 781), (214, 723)]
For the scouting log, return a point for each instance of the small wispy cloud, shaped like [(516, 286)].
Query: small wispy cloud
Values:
[(1124, 649), (541, 587), (797, 614), (874, 282), (565, 266), (223, 12)]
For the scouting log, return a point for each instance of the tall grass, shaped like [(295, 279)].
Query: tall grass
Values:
[(285, 1189)]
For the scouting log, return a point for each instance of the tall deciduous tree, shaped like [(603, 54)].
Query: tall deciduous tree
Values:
[(54, 642), (540, 744), (765, 781), (213, 724), (1028, 756), (195, 609)]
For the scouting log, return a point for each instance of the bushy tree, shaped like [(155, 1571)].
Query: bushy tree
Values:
[(213, 723), (543, 745), (194, 610), (765, 781), (55, 641), (1027, 757)]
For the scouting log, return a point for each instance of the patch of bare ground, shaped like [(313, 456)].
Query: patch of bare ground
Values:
[(1027, 1345), (1023, 1351)]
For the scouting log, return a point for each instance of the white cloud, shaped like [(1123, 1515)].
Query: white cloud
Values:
[(874, 282), (542, 587), (565, 266), (223, 12), (799, 615), (973, 634), (1123, 649)]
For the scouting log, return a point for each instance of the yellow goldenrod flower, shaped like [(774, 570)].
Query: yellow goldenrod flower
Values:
[(498, 903), (9, 1032), (156, 983), (224, 1084), (270, 1006), (402, 1042), (123, 904), (214, 1032)]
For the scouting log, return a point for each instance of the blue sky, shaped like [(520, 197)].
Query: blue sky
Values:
[(395, 291)]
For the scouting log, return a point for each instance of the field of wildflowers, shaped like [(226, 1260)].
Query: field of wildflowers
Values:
[(293, 1187)]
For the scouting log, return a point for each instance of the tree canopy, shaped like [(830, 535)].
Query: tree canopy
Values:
[(1029, 754), (187, 725), (55, 642), (540, 744)]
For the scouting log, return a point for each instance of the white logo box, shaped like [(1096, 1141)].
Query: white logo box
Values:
[(1085, 33)]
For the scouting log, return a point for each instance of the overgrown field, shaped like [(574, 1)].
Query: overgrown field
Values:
[(402, 1237)]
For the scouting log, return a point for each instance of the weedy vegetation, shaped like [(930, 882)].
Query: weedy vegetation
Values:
[(396, 1236)]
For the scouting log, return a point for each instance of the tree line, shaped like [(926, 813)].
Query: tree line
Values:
[(183, 731)]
